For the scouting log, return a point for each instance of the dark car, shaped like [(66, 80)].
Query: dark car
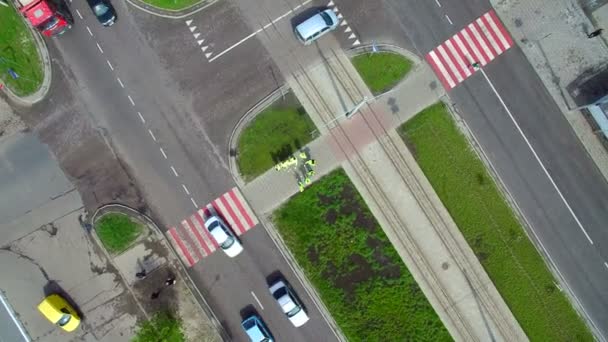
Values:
[(103, 11)]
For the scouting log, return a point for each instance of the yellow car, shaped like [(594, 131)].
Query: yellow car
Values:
[(58, 311)]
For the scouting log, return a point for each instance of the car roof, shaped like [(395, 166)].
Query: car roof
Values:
[(286, 302), (50, 307), (252, 326), (311, 25), (218, 233)]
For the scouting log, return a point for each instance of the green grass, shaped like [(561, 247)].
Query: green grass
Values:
[(162, 327), (117, 231), (381, 70), (18, 52), (272, 136), (174, 5), (490, 227), (348, 258)]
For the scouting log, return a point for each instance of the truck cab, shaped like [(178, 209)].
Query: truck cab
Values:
[(44, 16)]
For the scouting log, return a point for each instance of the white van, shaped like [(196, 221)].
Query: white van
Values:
[(316, 26)]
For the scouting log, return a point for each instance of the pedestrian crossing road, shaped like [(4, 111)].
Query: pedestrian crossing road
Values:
[(192, 240), (479, 42)]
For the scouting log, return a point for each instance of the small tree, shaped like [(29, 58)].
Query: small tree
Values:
[(162, 327)]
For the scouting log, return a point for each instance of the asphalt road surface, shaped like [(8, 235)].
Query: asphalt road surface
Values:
[(10, 327), (168, 113), (579, 259)]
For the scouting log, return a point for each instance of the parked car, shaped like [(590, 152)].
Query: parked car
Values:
[(58, 311), (256, 330), (316, 26), (289, 303), (104, 12), (223, 236)]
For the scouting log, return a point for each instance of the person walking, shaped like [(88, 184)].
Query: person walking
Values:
[(595, 33), (170, 281)]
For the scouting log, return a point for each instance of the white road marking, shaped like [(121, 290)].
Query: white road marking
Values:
[(186, 189), (152, 135), (606, 264), (257, 300), (90, 33), (449, 20), (188, 22), (120, 82), (131, 100), (78, 12), (141, 117), (99, 47), (254, 33), (442, 69), (438, 3), (521, 132), (193, 202), (164, 154), (174, 172), (110, 65)]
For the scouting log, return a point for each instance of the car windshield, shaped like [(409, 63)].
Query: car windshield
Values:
[(49, 24), (64, 319), (228, 242), (100, 9), (279, 293), (293, 311), (326, 18)]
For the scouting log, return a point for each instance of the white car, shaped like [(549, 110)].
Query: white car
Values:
[(289, 303), (223, 236)]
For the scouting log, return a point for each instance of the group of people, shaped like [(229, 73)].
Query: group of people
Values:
[(308, 168)]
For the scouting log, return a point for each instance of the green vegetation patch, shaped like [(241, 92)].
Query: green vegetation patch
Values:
[(272, 136), (162, 327), (381, 70), (18, 54), (172, 5), (117, 231), (344, 252), (491, 228)]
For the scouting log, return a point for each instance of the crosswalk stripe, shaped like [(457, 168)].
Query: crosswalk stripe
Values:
[(243, 207), (479, 57), (499, 30), (186, 257), (188, 237), (448, 60), (232, 214), (199, 223), (444, 76), (489, 35), (199, 239), (481, 42), (458, 56), (464, 52)]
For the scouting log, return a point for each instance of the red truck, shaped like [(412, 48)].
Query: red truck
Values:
[(45, 16)]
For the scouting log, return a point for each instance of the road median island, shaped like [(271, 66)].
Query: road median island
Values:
[(20, 64), (491, 228), (381, 71), (117, 231), (346, 255), (273, 136)]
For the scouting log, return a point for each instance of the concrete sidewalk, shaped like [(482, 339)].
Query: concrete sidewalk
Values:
[(395, 189)]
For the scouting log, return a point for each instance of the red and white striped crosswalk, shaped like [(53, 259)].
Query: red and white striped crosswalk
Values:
[(192, 240), (479, 42)]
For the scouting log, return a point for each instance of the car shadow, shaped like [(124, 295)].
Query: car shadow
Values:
[(52, 287)]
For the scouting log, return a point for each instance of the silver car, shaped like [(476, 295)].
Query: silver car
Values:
[(223, 236), (316, 26), (289, 303)]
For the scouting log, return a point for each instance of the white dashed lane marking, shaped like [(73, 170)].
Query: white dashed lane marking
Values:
[(174, 171), (78, 12), (120, 82), (164, 154), (90, 33), (131, 100), (152, 135), (186, 189), (141, 117), (99, 47), (110, 65)]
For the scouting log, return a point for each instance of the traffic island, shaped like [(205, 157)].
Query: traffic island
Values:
[(21, 67), (381, 70), (490, 226), (348, 258), (152, 271), (271, 134)]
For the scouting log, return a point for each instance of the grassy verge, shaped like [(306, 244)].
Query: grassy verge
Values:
[(381, 70), (272, 136), (18, 53), (366, 287), (163, 326), (490, 227), (174, 5), (117, 232)]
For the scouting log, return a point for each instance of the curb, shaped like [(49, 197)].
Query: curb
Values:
[(171, 14), (43, 54), (269, 99), (120, 208)]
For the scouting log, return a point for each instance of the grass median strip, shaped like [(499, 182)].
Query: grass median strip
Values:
[(348, 258), (491, 228), (20, 65), (381, 70), (172, 5), (272, 136), (117, 231)]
